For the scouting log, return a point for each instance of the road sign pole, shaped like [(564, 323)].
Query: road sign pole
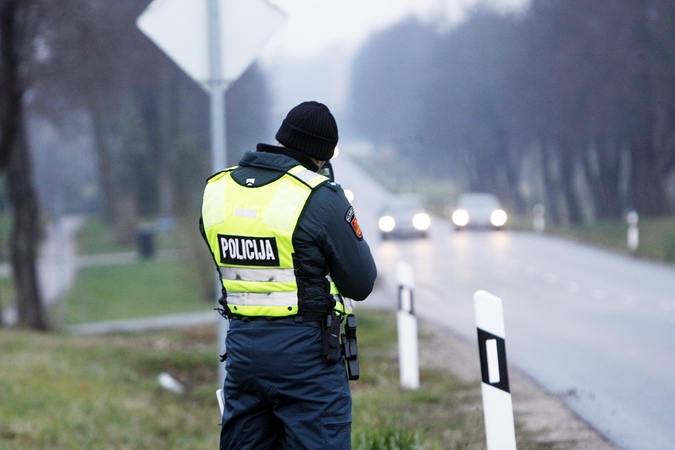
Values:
[(218, 139), (236, 31)]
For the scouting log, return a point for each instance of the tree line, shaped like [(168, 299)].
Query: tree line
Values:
[(568, 103), (84, 68)]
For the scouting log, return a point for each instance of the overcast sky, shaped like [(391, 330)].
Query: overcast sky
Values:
[(310, 57), (313, 26)]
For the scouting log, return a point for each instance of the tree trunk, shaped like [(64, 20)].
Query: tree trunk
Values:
[(512, 165), (602, 170), (105, 166), (567, 159), (26, 236), (551, 185), (647, 184), (15, 160)]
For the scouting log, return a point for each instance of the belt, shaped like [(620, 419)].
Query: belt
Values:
[(287, 319)]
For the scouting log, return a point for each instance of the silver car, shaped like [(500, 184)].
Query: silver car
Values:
[(404, 215), (478, 210)]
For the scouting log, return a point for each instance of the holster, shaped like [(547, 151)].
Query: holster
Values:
[(349, 347), (331, 339)]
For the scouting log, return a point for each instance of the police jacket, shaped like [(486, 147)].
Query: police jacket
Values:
[(325, 240)]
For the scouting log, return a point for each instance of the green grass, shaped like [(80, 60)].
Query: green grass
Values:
[(65, 392), (657, 237), (100, 392), (6, 221), (96, 237), (7, 292), (445, 413), (147, 288)]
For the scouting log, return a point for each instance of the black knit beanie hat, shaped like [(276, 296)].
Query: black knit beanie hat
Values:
[(310, 128)]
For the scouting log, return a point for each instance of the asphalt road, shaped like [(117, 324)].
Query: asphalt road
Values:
[(588, 324)]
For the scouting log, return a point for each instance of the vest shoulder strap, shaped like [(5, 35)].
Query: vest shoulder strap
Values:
[(311, 179), (220, 174)]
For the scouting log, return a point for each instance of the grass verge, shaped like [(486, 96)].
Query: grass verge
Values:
[(657, 237), (65, 392), (146, 288), (97, 237)]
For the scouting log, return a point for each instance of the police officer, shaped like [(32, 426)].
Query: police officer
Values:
[(281, 236)]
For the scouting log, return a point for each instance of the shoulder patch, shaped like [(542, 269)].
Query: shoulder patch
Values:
[(333, 186), (350, 218)]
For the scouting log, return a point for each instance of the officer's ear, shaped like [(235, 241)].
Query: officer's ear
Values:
[(327, 171)]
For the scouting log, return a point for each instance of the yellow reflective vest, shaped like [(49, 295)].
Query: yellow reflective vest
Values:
[(249, 231)]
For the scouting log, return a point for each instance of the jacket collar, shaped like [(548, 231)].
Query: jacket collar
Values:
[(300, 157)]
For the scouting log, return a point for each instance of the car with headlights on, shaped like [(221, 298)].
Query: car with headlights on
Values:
[(404, 215), (478, 210)]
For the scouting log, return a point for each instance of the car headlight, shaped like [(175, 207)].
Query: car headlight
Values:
[(386, 223), (421, 221), (350, 195), (498, 218), (460, 218)]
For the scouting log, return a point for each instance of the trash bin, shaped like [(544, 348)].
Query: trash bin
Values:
[(146, 241)]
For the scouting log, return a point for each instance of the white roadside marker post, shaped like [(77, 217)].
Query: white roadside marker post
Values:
[(633, 235), (407, 328), (538, 218), (497, 405)]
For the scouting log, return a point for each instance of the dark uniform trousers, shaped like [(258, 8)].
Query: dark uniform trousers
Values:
[(279, 394)]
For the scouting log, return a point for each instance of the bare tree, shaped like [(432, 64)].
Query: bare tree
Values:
[(15, 49), (583, 92)]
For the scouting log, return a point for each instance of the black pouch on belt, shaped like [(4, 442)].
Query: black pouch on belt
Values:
[(331, 339)]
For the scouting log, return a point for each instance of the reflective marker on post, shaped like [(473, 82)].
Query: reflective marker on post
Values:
[(407, 328), (497, 406), (633, 235)]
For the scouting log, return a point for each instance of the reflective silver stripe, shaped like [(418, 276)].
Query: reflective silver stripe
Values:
[(244, 274), (243, 212), (262, 299), (348, 304), (307, 176), (213, 207)]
